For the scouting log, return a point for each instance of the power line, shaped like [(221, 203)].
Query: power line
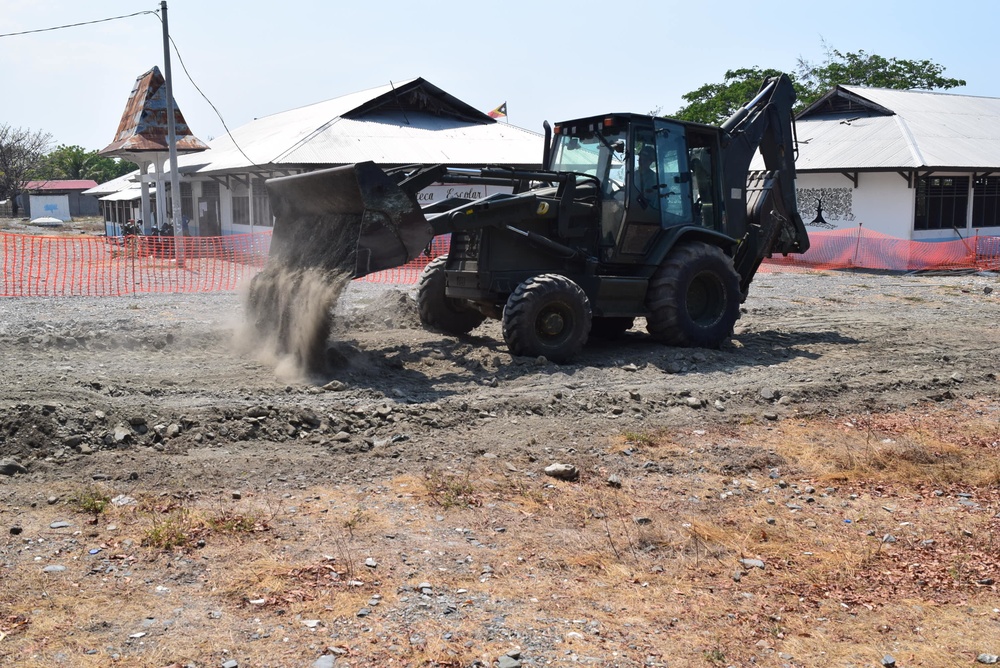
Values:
[(176, 51), (205, 97), (76, 25)]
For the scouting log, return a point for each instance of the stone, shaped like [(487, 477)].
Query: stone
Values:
[(888, 661), (60, 524), (987, 658), (55, 568), (563, 471), (11, 467), (506, 661), (752, 563), (769, 394), (325, 661)]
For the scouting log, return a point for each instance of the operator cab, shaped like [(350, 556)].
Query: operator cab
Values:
[(654, 174)]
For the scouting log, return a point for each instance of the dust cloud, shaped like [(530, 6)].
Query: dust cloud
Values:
[(289, 318)]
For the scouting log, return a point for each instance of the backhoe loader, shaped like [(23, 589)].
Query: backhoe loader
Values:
[(631, 216)]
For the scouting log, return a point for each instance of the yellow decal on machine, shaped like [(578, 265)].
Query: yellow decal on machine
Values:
[(543, 208)]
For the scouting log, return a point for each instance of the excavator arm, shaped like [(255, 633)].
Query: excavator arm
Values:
[(770, 222)]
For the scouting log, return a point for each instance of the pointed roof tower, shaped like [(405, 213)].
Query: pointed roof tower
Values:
[(144, 124)]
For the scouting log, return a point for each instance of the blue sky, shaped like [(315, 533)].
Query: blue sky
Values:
[(548, 60)]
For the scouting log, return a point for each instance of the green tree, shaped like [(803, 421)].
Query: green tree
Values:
[(21, 152), (75, 162), (858, 68), (714, 103)]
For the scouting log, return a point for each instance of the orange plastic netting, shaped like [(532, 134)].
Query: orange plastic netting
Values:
[(863, 249), (50, 266)]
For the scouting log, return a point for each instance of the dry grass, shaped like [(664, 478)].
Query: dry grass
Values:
[(649, 570)]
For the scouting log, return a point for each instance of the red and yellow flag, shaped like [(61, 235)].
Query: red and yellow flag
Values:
[(499, 112)]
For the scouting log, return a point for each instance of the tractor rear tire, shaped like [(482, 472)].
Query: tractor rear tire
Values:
[(547, 315), (694, 297), (438, 311)]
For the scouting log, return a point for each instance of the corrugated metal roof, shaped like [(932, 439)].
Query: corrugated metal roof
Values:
[(114, 185), (402, 123), (132, 192), (143, 126), (925, 131), (60, 184)]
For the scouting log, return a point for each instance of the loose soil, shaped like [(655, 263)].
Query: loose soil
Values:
[(254, 496)]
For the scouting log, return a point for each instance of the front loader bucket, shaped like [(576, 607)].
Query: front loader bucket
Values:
[(347, 219), (329, 226)]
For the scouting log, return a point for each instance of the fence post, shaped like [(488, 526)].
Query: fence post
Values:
[(857, 247)]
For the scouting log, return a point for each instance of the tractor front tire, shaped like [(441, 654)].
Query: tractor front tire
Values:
[(547, 315), (694, 297), (437, 310)]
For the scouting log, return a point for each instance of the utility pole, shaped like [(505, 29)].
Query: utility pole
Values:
[(175, 179)]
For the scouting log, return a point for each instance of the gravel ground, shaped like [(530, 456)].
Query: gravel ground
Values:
[(806, 343), (165, 392)]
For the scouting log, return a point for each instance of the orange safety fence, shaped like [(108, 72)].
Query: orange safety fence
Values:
[(56, 266), (50, 266), (859, 248)]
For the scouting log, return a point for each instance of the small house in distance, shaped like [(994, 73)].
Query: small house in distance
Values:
[(915, 165), (60, 199)]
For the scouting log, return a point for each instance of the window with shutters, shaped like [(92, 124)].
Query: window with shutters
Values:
[(986, 201), (942, 203)]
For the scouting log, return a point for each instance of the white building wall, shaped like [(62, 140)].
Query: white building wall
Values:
[(882, 202)]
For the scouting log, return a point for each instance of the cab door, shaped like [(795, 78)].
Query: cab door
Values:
[(674, 174), (659, 187)]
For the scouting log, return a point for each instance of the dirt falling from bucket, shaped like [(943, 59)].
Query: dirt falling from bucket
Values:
[(289, 317)]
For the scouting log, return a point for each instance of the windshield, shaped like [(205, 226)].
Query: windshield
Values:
[(602, 156)]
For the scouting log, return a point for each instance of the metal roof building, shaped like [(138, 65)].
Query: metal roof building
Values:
[(878, 129), (58, 198), (911, 164), (410, 122), (397, 124)]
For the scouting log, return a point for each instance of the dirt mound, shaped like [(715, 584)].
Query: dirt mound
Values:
[(394, 309)]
